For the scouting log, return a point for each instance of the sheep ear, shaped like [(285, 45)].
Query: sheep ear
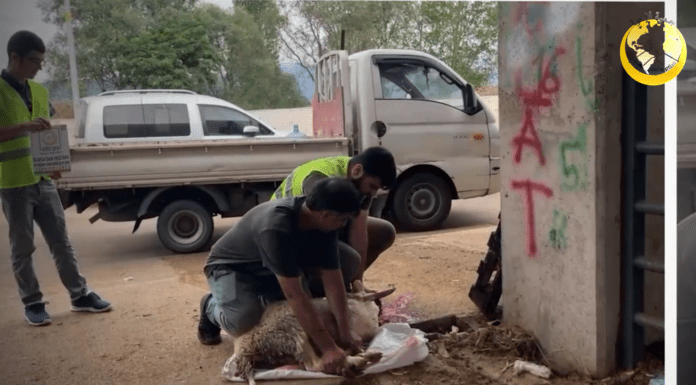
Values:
[(375, 296)]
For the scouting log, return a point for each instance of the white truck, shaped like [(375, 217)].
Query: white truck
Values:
[(184, 157)]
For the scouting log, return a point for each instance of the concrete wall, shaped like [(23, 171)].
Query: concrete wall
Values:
[(560, 102), (284, 119)]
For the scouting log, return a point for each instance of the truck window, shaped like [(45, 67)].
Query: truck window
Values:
[(218, 120), (410, 81), (148, 120)]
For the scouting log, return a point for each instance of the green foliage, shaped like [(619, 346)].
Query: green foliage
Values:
[(175, 53), (461, 33), (464, 35), (176, 44), (268, 19)]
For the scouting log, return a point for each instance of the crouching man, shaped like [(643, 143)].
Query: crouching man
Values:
[(269, 256)]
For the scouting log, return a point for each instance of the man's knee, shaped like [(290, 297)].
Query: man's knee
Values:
[(381, 234), (239, 320)]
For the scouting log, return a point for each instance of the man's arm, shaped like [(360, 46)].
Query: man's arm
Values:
[(336, 295), (358, 240), (12, 131), (306, 314)]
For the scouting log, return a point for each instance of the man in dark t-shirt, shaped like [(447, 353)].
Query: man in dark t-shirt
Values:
[(264, 257)]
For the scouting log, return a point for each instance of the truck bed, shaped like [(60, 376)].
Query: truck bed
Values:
[(154, 164)]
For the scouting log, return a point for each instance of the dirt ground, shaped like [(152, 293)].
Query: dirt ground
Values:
[(149, 337)]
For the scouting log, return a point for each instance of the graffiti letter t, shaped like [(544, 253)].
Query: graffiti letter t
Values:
[(529, 187)]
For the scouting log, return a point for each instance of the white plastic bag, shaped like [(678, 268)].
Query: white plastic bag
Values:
[(399, 343)]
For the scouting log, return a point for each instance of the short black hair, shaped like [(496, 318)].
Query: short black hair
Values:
[(23, 42), (379, 162), (334, 194)]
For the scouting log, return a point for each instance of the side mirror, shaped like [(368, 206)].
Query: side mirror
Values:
[(251, 130), (470, 102)]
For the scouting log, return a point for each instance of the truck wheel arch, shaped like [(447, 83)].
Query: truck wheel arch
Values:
[(213, 193)]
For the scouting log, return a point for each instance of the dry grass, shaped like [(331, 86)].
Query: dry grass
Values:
[(498, 341)]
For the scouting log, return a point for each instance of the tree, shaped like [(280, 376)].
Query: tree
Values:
[(174, 44), (463, 34), (317, 27), (268, 19), (100, 28), (176, 52), (251, 77)]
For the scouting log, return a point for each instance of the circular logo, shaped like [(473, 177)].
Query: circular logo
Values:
[(49, 138), (653, 52)]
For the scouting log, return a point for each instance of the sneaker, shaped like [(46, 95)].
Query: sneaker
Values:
[(91, 303), (36, 314), (208, 333)]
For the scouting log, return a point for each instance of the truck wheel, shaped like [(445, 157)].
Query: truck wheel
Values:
[(421, 202), (184, 226)]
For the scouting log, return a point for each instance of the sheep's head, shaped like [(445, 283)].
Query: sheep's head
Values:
[(364, 311)]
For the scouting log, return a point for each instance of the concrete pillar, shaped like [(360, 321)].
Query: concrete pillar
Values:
[(560, 122)]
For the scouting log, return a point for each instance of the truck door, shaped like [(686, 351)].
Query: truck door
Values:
[(420, 113)]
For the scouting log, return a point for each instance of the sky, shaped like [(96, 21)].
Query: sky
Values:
[(25, 15)]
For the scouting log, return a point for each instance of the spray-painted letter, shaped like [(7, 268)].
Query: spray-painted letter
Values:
[(574, 177), (529, 188)]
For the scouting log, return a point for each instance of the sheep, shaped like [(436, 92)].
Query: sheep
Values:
[(279, 340)]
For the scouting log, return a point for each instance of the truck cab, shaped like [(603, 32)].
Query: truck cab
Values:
[(445, 140)]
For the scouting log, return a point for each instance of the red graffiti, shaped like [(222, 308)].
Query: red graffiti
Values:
[(533, 99), (528, 137), (533, 18), (529, 188)]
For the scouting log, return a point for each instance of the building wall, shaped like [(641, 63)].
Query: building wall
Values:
[(560, 120)]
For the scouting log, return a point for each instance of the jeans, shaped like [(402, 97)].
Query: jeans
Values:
[(239, 299), (39, 202)]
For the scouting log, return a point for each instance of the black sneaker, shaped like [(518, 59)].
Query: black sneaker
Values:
[(91, 303), (36, 314), (208, 333)]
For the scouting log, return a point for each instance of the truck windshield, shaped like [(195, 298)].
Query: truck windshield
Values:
[(409, 81)]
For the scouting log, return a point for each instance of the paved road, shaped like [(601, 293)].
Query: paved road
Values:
[(150, 336)]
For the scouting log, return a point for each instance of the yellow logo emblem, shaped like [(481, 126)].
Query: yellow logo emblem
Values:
[(653, 51)]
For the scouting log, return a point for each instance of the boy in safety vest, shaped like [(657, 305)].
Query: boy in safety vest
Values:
[(27, 197)]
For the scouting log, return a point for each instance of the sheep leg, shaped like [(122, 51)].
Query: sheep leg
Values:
[(310, 360), (355, 365)]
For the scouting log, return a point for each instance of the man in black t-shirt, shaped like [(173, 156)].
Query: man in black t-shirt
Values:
[(263, 258)]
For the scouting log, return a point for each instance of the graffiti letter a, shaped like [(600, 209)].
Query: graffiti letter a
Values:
[(528, 137)]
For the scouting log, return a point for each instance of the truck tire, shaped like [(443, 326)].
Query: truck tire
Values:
[(185, 226), (422, 202)]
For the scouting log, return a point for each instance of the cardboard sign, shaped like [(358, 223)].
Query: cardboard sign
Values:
[(51, 150)]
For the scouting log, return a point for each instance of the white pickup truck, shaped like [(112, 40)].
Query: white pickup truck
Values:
[(184, 157)]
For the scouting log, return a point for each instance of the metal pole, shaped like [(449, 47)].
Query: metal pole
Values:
[(71, 55)]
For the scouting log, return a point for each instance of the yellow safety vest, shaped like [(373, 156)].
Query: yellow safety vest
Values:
[(336, 166), (16, 166)]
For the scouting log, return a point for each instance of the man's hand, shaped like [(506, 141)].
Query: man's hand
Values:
[(55, 175), (333, 361), (38, 125), (351, 343)]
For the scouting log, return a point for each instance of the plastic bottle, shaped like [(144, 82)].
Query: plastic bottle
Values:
[(537, 370), (296, 132)]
